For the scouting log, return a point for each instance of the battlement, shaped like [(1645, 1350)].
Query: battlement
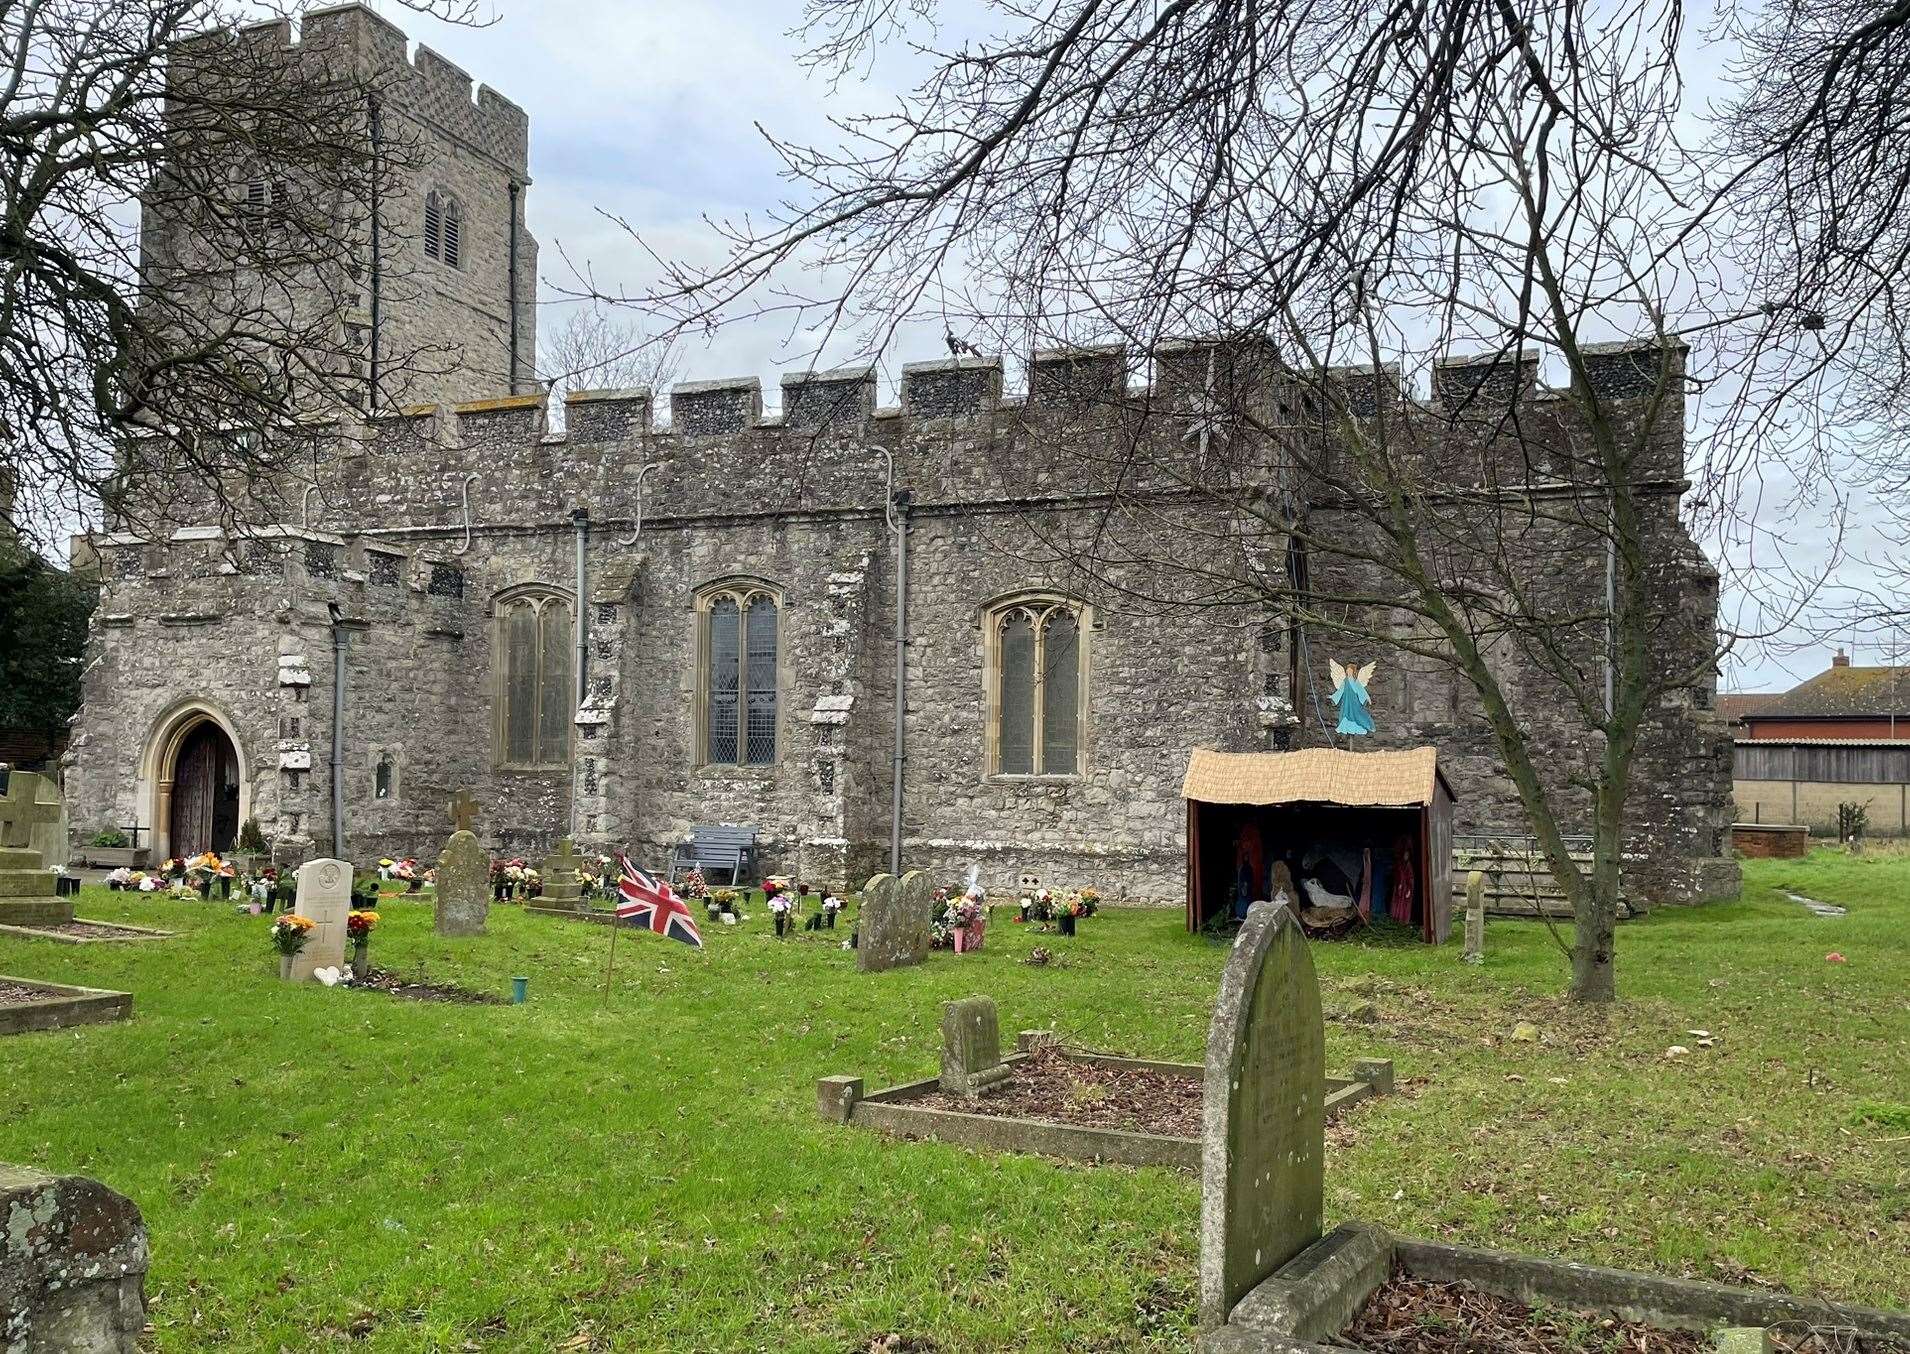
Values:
[(1061, 382), (429, 86)]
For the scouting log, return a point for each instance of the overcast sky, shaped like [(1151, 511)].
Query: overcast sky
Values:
[(649, 112)]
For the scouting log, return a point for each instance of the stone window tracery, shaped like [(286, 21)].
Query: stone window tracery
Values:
[(739, 644), (535, 688), (1036, 686)]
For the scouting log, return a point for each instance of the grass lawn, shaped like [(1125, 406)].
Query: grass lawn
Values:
[(324, 1166)]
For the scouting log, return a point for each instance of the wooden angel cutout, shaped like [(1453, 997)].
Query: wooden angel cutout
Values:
[(1350, 694)]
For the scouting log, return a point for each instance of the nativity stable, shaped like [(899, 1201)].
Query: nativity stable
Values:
[(1363, 834)]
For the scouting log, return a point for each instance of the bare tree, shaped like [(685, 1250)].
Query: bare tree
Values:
[(187, 205), (596, 348), (1338, 191)]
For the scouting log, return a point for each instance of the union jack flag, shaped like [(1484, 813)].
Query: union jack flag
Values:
[(655, 904)]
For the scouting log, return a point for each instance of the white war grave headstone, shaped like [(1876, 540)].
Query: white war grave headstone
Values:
[(324, 896)]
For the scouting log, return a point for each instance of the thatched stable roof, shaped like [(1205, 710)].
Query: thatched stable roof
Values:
[(1376, 779)]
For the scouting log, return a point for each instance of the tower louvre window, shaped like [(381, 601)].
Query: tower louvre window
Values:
[(443, 228)]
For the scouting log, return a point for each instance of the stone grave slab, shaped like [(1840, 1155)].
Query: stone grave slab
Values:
[(894, 921), (971, 1046), (1263, 1140), (464, 886), (324, 895)]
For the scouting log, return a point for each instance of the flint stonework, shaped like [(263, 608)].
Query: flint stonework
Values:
[(1263, 1138), (464, 887)]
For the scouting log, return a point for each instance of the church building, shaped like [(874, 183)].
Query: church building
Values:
[(690, 608)]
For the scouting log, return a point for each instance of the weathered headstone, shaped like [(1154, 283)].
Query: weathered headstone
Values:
[(53, 839), (1263, 1124), (971, 1046), (28, 894), (894, 923), (324, 896), (1475, 918), (561, 885), (73, 1260), (464, 886)]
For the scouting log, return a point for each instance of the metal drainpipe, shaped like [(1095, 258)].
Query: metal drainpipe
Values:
[(377, 256), (901, 520), (338, 732), (511, 286), (580, 521)]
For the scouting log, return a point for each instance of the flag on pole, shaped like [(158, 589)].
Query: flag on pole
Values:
[(654, 903)]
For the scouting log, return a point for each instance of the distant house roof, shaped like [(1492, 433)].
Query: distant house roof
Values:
[(1314, 776), (1843, 691), (1735, 705)]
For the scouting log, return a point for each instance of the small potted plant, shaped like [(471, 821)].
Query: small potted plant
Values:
[(358, 928), (289, 935), (251, 849)]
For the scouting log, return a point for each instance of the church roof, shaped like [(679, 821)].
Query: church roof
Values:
[(1315, 776)]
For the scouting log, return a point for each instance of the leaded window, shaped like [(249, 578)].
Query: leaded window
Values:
[(740, 649), (534, 683), (1036, 680)]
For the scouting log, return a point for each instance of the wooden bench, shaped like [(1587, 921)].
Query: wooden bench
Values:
[(716, 847)]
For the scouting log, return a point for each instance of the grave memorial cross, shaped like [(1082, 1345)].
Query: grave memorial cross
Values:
[(463, 811), (561, 885), (21, 808)]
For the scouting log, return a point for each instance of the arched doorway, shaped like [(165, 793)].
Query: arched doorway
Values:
[(205, 792)]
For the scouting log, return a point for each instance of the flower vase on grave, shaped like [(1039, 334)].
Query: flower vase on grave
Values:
[(361, 960), (205, 887), (225, 888), (960, 936), (1066, 920), (285, 967)]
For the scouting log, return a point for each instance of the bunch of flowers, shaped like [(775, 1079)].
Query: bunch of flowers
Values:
[(183, 891), (359, 926), (405, 871), (694, 884), (290, 932), (1090, 899), (722, 900), (206, 863), (172, 865), (964, 912), (938, 937), (122, 878), (774, 885), (511, 869), (831, 903)]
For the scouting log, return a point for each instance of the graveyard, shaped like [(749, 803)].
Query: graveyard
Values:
[(646, 1167)]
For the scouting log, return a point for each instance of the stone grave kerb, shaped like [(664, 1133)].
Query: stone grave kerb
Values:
[(1263, 1118)]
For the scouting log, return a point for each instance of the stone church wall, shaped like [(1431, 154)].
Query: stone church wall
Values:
[(796, 500)]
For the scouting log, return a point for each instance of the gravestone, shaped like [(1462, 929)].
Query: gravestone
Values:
[(894, 923), (1475, 918), (971, 1046), (324, 896), (561, 886), (1263, 1119), (28, 894), (73, 1260), (464, 886)]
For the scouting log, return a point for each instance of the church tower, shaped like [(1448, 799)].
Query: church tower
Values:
[(429, 293)]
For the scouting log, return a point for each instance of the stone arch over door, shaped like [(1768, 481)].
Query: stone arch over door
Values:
[(198, 738)]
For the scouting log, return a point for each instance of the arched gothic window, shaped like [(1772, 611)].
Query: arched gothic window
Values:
[(535, 695), (738, 643), (443, 228), (1036, 687)]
